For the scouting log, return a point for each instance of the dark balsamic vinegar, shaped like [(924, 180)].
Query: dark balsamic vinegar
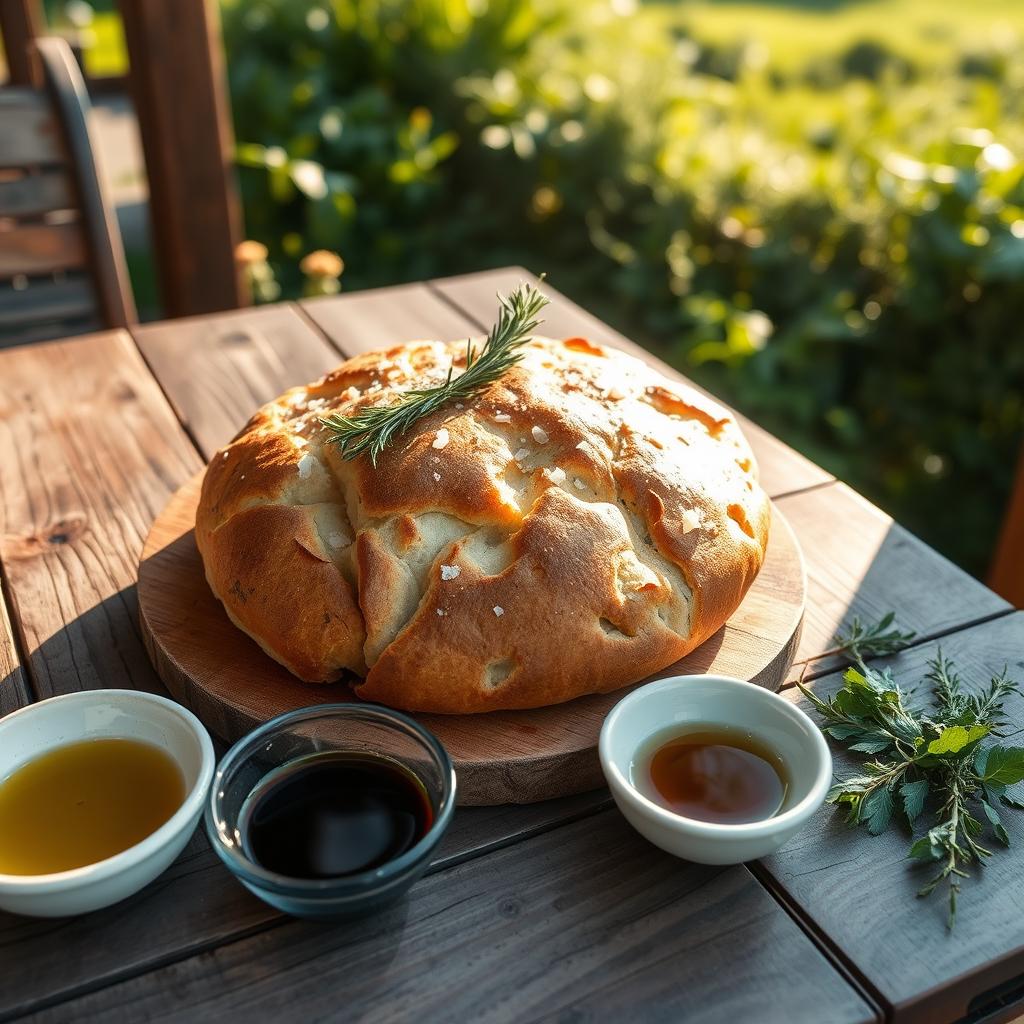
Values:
[(335, 814)]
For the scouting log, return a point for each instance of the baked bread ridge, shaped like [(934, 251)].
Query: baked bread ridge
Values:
[(581, 523)]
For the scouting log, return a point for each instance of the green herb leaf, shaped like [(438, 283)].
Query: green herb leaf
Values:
[(371, 430), (862, 641), (875, 746), (997, 823), (956, 738), (877, 810), (914, 795), (1004, 765), (925, 849)]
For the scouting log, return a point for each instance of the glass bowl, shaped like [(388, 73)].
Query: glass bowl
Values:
[(329, 728)]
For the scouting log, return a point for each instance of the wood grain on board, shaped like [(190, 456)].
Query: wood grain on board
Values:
[(218, 370), (859, 562), (859, 890), (196, 905), (92, 452), (501, 757), (783, 470), (586, 921)]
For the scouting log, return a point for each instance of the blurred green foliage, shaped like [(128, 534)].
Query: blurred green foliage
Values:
[(834, 244)]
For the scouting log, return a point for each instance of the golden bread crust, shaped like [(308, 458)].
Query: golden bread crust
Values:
[(578, 525)]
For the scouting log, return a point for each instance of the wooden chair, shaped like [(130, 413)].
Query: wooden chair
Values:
[(62, 265)]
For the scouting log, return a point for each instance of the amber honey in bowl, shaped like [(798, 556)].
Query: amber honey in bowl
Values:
[(711, 773), (83, 802)]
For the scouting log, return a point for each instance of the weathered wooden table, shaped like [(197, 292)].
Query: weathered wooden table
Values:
[(549, 911)]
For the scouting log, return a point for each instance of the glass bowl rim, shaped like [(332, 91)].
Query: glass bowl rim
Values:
[(360, 882)]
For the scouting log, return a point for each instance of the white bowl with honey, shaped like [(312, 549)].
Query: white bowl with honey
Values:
[(99, 791), (713, 769)]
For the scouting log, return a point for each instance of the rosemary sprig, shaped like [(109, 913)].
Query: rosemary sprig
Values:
[(917, 754), (372, 430), (863, 641)]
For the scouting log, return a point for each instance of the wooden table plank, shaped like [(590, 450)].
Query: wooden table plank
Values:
[(14, 691), (218, 370), (380, 317), (196, 905), (859, 562), (589, 920), (859, 890), (92, 453), (783, 470)]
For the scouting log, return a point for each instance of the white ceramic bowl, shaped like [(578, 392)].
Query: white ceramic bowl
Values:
[(717, 701), (100, 714)]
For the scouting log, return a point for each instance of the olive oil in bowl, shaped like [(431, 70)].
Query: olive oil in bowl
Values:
[(84, 802)]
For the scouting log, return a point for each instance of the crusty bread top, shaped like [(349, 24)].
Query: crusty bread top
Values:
[(581, 523)]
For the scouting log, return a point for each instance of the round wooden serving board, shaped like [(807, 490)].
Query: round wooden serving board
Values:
[(500, 757)]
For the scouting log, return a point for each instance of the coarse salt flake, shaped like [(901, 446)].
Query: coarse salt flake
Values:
[(539, 435), (437, 476), (520, 455), (690, 521), (226, 454), (441, 611), (578, 484), (459, 405), (556, 475), (502, 417), (441, 440), (305, 465), (449, 572), (335, 539), (498, 611)]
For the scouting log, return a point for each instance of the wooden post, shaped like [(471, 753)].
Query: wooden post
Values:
[(1006, 575), (22, 23), (177, 78)]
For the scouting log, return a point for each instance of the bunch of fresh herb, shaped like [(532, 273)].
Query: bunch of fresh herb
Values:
[(862, 641), (917, 754), (372, 430)]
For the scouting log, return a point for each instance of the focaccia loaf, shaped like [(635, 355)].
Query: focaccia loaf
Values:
[(580, 524)]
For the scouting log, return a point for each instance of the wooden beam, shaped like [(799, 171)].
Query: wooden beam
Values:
[(177, 79), (22, 22), (1006, 576)]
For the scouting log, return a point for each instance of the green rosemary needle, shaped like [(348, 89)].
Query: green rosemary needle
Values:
[(371, 430)]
